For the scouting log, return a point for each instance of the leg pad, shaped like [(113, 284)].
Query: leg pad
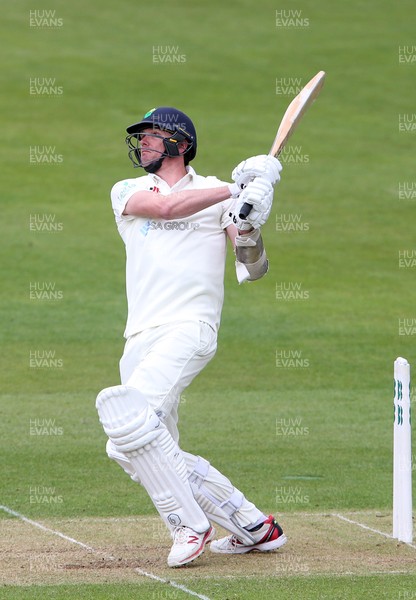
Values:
[(137, 432)]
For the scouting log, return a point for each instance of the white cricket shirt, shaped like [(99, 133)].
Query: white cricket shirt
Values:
[(175, 268)]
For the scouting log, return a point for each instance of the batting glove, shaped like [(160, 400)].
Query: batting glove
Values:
[(264, 165), (258, 193)]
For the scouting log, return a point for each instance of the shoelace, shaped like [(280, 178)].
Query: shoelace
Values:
[(232, 542), (180, 535)]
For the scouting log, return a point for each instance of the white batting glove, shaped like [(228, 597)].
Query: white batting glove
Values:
[(264, 165), (258, 193)]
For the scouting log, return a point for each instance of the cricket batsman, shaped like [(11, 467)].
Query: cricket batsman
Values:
[(175, 225)]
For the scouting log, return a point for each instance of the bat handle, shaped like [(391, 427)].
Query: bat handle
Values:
[(245, 210)]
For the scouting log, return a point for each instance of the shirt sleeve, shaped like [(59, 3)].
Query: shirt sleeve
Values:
[(120, 194)]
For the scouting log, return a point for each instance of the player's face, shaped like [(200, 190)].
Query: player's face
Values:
[(151, 144)]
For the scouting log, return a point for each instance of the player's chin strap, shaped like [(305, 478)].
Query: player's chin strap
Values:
[(154, 166), (219, 499)]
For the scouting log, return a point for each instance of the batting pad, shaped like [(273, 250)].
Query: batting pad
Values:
[(136, 431), (122, 460), (220, 500)]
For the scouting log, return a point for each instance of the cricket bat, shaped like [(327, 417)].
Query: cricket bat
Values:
[(291, 119)]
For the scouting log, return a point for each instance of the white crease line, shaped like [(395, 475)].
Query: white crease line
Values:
[(170, 582), (40, 526), (387, 535)]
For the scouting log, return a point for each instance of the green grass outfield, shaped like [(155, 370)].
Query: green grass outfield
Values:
[(298, 588), (297, 405)]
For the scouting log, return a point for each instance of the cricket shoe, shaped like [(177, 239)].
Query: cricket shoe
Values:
[(188, 545), (270, 537)]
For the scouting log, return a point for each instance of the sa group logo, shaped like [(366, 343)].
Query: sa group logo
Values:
[(173, 225), (168, 226)]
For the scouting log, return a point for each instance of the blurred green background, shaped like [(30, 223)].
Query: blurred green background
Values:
[(233, 69)]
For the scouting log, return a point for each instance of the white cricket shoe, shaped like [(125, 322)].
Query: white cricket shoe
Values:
[(270, 537), (188, 545)]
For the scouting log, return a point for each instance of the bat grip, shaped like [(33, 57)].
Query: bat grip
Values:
[(245, 210)]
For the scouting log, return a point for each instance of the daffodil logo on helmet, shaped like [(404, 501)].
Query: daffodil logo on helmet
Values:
[(149, 113)]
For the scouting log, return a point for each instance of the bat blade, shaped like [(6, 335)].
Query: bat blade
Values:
[(291, 119), (295, 112)]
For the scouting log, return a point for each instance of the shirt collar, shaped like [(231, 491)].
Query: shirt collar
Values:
[(190, 174)]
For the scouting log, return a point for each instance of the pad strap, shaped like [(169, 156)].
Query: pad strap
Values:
[(211, 499), (197, 478)]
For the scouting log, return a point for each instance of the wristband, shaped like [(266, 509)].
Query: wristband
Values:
[(235, 190)]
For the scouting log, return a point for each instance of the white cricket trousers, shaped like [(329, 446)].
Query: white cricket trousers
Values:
[(162, 361)]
